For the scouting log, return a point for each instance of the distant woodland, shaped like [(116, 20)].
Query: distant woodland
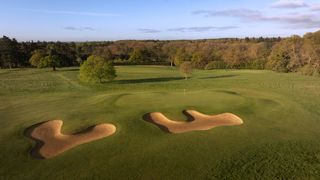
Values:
[(293, 54)]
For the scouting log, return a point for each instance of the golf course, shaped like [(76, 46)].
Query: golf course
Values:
[(278, 139)]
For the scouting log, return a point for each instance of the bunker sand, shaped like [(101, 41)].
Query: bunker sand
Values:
[(196, 121), (51, 142)]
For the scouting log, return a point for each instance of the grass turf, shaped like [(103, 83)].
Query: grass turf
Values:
[(279, 137)]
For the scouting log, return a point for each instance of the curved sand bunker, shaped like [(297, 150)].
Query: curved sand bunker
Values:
[(50, 141), (196, 121)]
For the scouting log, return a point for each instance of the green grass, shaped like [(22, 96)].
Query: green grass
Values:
[(279, 138)]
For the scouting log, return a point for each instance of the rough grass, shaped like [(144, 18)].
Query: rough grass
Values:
[(279, 138)]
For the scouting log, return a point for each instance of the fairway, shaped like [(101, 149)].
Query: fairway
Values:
[(279, 137)]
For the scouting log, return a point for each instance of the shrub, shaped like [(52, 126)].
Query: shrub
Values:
[(216, 65), (310, 70), (279, 61)]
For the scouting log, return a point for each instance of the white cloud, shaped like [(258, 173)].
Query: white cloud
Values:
[(151, 31), (291, 4), (315, 7), (296, 20), (72, 28), (202, 28), (63, 12)]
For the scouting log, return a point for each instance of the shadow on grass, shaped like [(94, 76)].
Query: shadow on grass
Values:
[(71, 69), (228, 92), (147, 80), (217, 77)]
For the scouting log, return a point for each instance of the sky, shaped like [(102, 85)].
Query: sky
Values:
[(104, 20)]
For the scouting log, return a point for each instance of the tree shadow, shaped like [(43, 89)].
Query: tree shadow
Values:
[(222, 76), (147, 80), (70, 69)]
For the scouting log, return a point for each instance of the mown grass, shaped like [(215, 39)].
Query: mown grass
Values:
[(279, 139)]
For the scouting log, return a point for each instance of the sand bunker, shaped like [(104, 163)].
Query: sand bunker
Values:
[(196, 121), (50, 141)]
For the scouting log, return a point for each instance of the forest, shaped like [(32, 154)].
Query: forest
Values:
[(292, 54)]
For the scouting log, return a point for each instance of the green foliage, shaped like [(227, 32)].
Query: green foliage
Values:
[(97, 69), (258, 64), (216, 65), (201, 58), (37, 58), (282, 55), (50, 61), (9, 52), (278, 61), (136, 56), (141, 56)]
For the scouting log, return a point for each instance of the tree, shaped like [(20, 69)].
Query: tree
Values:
[(186, 69), (236, 55), (279, 60), (65, 51), (9, 51), (97, 69), (50, 61), (103, 52), (203, 57), (37, 57), (180, 56), (311, 49), (136, 56), (199, 60), (143, 56)]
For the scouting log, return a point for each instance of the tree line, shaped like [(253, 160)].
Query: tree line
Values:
[(293, 54)]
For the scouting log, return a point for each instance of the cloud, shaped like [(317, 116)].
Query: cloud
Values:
[(309, 20), (62, 12), (151, 31), (290, 4), (230, 12), (201, 28), (72, 28), (315, 7)]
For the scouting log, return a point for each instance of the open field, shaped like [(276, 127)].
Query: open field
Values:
[(279, 137)]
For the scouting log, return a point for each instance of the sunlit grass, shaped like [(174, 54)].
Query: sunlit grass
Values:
[(281, 115)]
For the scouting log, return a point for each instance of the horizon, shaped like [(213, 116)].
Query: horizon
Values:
[(96, 21), (102, 41)]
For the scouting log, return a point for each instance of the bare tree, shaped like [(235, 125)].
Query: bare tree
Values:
[(186, 69)]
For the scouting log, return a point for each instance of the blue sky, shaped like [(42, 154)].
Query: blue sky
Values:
[(89, 20)]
